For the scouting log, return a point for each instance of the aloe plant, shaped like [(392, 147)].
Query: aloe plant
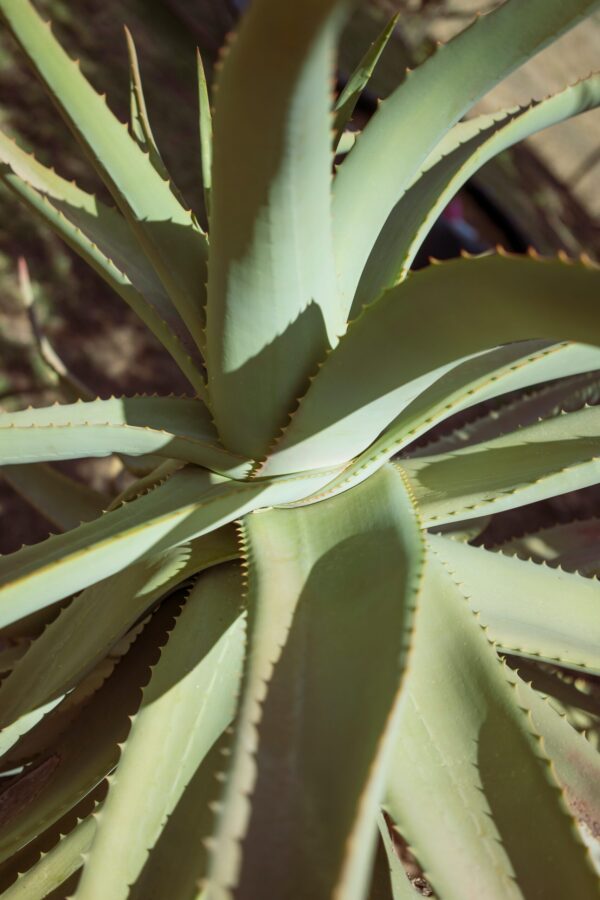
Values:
[(219, 685)]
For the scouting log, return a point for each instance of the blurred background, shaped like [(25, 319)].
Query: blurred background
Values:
[(544, 193)]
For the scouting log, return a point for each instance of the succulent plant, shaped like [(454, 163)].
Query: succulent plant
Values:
[(177, 724)]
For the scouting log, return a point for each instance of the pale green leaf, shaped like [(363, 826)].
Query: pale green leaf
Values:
[(272, 304), (552, 457), (410, 221), (179, 859), (453, 311), (484, 377), (187, 705), (102, 237), (174, 427), (576, 762), (358, 80), (190, 504), (548, 401), (330, 597), (167, 232), (398, 884), (83, 756), (390, 151), (206, 133), (139, 122), (55, 866), (471, 787), (529, 609)]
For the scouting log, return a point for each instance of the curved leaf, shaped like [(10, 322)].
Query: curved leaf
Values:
[(174, 427), (358, 80), (102, 237), (191, 503), (549, 458), (470, 772), (440, 310), (188, 703), (528, 609), (272, 305), (389, 153), (331, 595), (412, 218), (83, 756), (168, 233)]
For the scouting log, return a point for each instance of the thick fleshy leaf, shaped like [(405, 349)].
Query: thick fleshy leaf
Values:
[(359, 79), (574, 546), (139, 121), (86, 752), (552, 457), (390, 881), (412, 218), (179, 859), (174, 427), (69, 647), (389, 153), (576, 762), (528, 608), (168, 233), (62, 500), (331, 594), (470, 772), (55, 866), (564, 395), (485, 377), (206, 133), (455, 310), (187, 705), (102, 237), (272, 304), (190, 504)]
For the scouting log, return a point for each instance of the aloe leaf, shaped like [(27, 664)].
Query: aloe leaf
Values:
[(346, 102), (101, 236), (178, 862), (169, 427), (349, 404), (331, 593), (576, 762), (574, 546), (394, 883), (528, 609), (272, 304), (410, 221), (509, 368), (139, 123), (549, 458), (188, 703), (86, 752), (33, 734), (546, 402), (168, 233), (55, 866), (387, 156), (190, 504), (63, 500), (206, 132), (69, 647), (29, 857), (471, 772)]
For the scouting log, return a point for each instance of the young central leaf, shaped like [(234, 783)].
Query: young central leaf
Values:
[(272, 310)]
